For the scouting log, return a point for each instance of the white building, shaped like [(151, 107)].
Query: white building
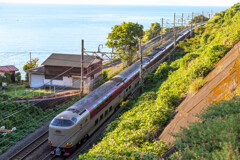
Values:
[(64, 70)]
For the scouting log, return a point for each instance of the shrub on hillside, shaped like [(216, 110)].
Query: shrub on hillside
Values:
[(215, 137)]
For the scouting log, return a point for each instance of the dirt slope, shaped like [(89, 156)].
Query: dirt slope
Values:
[(222, 83)]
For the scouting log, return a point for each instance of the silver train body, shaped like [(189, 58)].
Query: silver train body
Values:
[(80, 120)]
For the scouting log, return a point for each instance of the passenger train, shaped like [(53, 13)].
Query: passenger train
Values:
[(74, 125)]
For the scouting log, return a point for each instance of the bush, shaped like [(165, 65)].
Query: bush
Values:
[(216, 137), (196, 85)]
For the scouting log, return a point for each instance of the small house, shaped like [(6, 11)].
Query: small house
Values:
[(11, 69), (64, 70)]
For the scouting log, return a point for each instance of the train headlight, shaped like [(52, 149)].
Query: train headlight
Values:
[(50, 142), (69, 144)]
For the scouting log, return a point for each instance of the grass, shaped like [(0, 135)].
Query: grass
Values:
[(20, 90)]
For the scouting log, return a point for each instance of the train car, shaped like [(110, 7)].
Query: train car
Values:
[(74, 125)]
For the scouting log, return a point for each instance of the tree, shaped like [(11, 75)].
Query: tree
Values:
[(30, 64), (18, 77), (154, 31), (198, 19), (124, 39)]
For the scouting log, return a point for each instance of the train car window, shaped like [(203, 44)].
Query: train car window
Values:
[(126, 89), (130, 87), (110, 109), (106, 100), (74, 119), (62, 122), (80, 126), (106, 112), (96, 122), (101, 117), (110, 96)]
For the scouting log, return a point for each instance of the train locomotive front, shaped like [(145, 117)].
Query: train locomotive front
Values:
[(66, 130)]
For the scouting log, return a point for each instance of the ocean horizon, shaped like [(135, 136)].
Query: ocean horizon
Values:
[(43, 29)]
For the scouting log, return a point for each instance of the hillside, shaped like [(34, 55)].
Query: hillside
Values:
[(135, 133), (221, 84)]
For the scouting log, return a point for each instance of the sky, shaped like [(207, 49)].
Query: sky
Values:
[(133, 2)]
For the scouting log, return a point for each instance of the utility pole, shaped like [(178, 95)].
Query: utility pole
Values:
[(191, 25), (162, 31), (82, 70), (211, 13), (29, 74), (202, 17), (182, 21), (174, 35), (30, 54), (141, 71)]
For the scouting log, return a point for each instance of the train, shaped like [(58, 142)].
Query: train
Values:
[(75, 124)]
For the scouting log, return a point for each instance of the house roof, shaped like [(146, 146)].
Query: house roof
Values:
[(39, 70), (69, 60), (9, 68)]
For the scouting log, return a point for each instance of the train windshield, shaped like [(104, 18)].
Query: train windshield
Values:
[(62, 123)]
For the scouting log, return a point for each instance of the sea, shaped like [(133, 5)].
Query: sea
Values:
[(43, 29)]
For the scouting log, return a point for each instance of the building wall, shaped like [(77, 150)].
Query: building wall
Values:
[(36, 80), (67, 82)]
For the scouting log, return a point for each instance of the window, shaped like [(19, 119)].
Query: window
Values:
[(101, 117), (106, 100), (126, 89), (110, 109), (106, 112), (130, 87), (62, 123), (74, 119), (96, 121), (110, 96)]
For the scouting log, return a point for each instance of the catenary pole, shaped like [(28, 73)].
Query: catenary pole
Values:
[(192, 25), (174, 36), (182, 21), (141, 71), (82, 70), (162, 31)]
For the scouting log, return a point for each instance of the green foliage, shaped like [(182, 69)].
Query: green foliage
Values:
[(124, 38), (140, 125), (18, 77), (29, 65), (196, 85), (32, 64), (153, 32), (26, 120), (216, 137), (19, 90), (8, 78), (198, 19)]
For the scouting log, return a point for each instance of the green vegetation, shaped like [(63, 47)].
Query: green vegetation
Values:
[(153, 32), (198, 19), (124, 39), (19, 90), (29, 65), (215, 137), (5, 78), (26, 118), (196, 85), (134, 133)]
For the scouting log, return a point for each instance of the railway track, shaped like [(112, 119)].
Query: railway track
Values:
[(31, 147)]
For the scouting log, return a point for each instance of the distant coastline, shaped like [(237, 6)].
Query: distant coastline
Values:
[(45, 29)]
